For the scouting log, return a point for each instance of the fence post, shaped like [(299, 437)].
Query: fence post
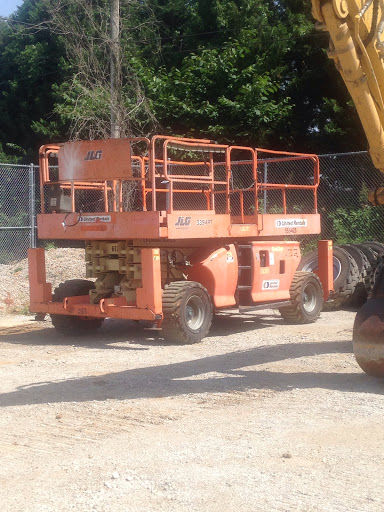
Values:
[(32, 205), (265, 181)]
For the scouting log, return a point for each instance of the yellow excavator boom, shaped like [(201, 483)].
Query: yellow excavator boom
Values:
[(356, 30)]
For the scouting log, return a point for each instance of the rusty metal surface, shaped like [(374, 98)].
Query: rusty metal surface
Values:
[(368, 337)]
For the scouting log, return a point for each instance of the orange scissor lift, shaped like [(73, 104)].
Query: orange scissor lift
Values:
[(176, 229)]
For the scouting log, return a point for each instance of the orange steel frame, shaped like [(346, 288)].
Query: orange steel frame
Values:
[(162, 225), (148, 300), (47, 150)]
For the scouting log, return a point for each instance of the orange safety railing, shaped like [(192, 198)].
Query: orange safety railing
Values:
[(291, 157), (219, 178)]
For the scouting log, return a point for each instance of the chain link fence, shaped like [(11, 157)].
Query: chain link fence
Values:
[(17, 211), (345, 181)]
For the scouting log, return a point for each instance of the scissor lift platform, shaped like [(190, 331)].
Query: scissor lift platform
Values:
[(174, 229)]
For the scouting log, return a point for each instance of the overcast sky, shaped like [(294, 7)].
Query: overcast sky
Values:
[(7, 7)]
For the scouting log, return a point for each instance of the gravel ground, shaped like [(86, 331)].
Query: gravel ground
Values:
[(61, 264), (261, 416)]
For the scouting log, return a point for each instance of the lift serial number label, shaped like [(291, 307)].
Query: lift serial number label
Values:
[(204, 222)]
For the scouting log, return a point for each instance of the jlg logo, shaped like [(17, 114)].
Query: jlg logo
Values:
[(94, 155), (183, 222)]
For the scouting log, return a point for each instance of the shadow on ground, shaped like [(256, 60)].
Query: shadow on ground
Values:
[(238, 373), (128, 332)]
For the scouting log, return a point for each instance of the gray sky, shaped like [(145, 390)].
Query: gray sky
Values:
[(7, 7)]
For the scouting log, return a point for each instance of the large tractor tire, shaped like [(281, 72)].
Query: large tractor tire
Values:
[(345, 275), (376, 247), (377, 250), (359, 257), (306, 299), (70, 325), (187, 310), (368, 337), (372, 260), (368, 253), (376, 273), (363, 287), (368, 331)]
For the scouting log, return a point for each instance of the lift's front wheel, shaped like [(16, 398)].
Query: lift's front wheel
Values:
[(306, 299), (187, 310)]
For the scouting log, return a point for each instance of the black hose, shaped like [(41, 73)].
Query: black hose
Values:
[(375, 15)]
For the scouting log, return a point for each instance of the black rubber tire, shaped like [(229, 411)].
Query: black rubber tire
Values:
[(74, 325), (180, 300), (376, 247), (376, 250), (369, 347), (363, 287), (356, 254), (300, 312), (372, 259), (345, 281), (368, 253), (378, 269)]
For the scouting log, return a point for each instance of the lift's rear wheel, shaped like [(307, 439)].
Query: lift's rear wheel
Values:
[(187, 310), (74, 325), (306, 299)]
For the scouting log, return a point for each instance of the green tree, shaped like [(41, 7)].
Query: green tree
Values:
[(248, 71), (30, 65), (83, 100), (251, 71)]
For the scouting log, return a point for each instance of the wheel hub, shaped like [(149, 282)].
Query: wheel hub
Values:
[(309, 298), (194, 312)]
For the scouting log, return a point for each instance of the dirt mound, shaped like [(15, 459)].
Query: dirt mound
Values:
[(61, 264)]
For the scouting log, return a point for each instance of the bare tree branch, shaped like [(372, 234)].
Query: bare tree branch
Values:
[(84, 28)]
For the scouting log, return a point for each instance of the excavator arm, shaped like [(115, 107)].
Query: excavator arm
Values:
[(356, 29)]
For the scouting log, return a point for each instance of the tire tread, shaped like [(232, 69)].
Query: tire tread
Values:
[(294, 313), (173, 295)]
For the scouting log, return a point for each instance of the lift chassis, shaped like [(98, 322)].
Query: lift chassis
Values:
[(176, 230)]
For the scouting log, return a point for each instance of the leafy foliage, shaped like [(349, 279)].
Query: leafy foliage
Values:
[(354, 226), (250, 71), (29, 66)]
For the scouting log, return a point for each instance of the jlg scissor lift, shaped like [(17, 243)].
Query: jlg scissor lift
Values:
[(176, 229)]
